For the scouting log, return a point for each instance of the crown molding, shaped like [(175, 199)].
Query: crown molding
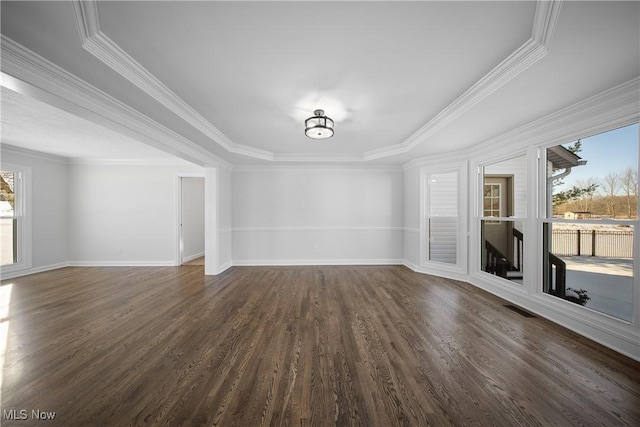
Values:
[(361, 167), (12, 149), (455, 159), (129, 162), (544, 23), (612, 108), (106, 50), (534, 49), (24, 70)]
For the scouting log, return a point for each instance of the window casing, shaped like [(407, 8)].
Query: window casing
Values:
[(443, 217), (9, 217), (15, 219), (503, 214), (443, 230), (589, 246)]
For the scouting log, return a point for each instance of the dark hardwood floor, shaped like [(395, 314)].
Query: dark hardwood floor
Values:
[(371, 346)]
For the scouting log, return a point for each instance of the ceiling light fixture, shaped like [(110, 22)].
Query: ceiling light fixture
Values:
[(319, 126)]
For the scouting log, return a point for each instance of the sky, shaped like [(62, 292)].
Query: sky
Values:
[(612, 151)]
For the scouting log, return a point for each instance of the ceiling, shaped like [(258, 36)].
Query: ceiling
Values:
[(234, 81), (34, 125)]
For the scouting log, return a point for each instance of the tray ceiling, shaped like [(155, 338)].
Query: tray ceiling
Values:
[(400, 79)]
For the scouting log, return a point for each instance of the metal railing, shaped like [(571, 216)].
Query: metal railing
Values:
[(496, 262), (519, 247), (557, 276), (598, 243)]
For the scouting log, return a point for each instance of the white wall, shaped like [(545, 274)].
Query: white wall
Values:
[(49, 207), (218, 240), (192, 218), (317, 216), (225, 222), (124, 214), (412, 200)]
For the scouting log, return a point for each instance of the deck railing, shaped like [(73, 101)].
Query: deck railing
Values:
[(557, 276)]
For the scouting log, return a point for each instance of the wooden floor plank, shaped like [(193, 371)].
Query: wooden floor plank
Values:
[(345, 345)]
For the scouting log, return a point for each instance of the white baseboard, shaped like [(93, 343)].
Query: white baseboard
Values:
[(192, 257), (227, 265), (33, 270), (122, 264), (446, 273), (279, 262)]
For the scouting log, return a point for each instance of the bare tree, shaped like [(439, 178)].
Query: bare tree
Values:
[(585, 199), (629, 181), (6, 188), (610, 185)]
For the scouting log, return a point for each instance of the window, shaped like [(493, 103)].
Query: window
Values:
[(442, 217), (492, 199), (591, 218), (492, 205), (9, 217), (15, 225), (503, 212)]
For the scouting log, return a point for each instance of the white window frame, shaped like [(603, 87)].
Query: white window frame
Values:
[(544, 217), (490, 220), (499, 198), (22, 212), (460, 267)]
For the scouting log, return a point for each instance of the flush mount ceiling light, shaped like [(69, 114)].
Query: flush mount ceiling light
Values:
[(319, 126)]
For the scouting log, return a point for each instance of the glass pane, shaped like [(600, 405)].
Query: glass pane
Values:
[(8, 241), (505, 183), (591, 265), (443, 239), (8, 222), (443, 217), (7, 194), (596, 177), (502, 249), (443, 194)]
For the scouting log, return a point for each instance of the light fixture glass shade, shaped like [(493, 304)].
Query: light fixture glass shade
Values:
[(319, 126)]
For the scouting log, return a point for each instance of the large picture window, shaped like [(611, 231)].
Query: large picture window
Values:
[(591, 218)]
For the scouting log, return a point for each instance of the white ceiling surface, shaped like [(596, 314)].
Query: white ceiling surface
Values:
[(34, 125), (382, 70)]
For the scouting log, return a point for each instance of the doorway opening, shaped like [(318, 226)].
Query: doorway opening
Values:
[(191, 221)]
